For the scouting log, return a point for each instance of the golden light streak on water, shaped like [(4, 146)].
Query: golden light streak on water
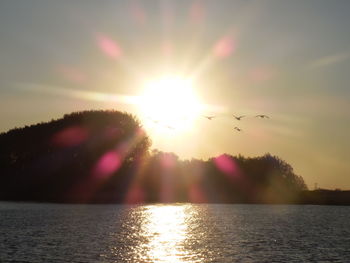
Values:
[(166, 229)]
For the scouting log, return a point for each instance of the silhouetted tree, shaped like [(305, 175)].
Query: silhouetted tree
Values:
[(72, 158), (103, 156)]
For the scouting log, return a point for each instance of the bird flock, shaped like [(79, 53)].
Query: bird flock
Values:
[(209, 117), (238, 118)]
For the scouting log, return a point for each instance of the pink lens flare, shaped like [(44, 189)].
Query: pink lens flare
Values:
[(196, 195), (135, 195), (140, 133), (167, 191), (197, 12), (108, 163), (168, 161), (226, 165), (109, 47), (72, 74), (138, 13), (167, 48), (224, 47), (261, 74), (70, 136)]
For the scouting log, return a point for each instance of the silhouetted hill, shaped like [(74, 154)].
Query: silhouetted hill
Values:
[(71, 159), (104, 157)]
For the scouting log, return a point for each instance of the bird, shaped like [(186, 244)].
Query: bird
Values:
[(209, 117), (237, 129), (153, 120), (262, 116), (238, 118)]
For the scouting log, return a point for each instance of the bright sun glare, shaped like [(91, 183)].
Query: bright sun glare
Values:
[(169, 103)]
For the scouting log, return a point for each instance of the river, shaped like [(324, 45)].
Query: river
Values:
[(31, 232)]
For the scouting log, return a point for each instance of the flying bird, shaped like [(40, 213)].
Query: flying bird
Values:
[(238, 118), (237, 129), (153, 120), (262, 116), (209, 117)]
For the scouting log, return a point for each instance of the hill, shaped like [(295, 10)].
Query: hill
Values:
[(105, 157), (70, 159)]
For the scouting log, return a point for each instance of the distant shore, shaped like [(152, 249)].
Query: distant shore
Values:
[(314, 197), (325, 197)]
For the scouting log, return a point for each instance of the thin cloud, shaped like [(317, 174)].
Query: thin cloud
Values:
[(329, 60)]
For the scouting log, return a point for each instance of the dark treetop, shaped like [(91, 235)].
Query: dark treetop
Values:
[(104, 157)]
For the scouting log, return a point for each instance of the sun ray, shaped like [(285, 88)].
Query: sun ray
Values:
[(170, 102), (79, 93)]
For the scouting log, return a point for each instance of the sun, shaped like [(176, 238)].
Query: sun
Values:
[(169, 103)]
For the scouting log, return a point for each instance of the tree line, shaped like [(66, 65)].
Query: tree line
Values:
[(105, 157)]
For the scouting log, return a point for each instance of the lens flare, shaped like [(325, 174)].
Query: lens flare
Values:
[(70, 136), (226, 165), (197, 12), (109, 46), (138, 13), (107, 164), (224, 47), (73, 74)]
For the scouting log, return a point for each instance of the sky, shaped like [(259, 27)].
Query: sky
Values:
[(287, 59)]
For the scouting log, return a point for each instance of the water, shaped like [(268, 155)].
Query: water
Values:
[(173, 233)]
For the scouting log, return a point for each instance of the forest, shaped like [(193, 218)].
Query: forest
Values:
[(106, 157)]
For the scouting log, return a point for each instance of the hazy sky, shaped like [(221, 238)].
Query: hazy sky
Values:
[(287, 59)]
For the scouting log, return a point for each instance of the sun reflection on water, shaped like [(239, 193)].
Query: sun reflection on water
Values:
[(166, 229), (162, 233)]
